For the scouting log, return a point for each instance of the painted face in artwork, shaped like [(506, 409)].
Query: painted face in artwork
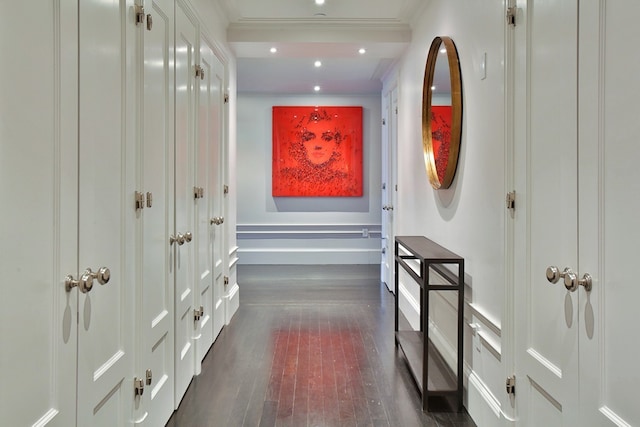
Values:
[(320, 141)]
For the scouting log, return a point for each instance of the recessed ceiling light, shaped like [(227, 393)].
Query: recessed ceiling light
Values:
[(273, 50), (362, 51), (316, 88), (433, 88), (317, 64), (319, 2)]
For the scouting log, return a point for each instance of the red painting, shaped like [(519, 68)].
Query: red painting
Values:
[(441, 137), (317, 151)]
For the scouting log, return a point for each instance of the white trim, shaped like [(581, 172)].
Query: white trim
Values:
[(232, 302), (492, 403), (308, 256), (307, 231)]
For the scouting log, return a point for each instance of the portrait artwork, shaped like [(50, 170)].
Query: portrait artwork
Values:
[(441, 137), (317, 152)]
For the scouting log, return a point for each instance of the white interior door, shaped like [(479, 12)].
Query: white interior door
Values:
[(106, 212), (609, 201), (390, 139), (216, 196), (204, 276), (208, 178), (155, 297), (386, 254), (185, 277), (546, 211), (38, 184)]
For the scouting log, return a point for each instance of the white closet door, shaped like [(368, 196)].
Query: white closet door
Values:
[(609, 204), (106, 211), (203, 243), (389, 140), (155, 298), (185, 281), (546, 212), (215, 115), (38, 186)]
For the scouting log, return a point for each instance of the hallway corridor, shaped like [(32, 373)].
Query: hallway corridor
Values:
[(309, 346)]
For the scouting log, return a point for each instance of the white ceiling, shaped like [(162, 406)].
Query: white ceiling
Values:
[(304, 32)]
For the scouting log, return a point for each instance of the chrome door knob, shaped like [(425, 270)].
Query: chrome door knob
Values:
[(571, 281), (70, 283), (554, 274), (570, 278), (188, 236), (85, 283)]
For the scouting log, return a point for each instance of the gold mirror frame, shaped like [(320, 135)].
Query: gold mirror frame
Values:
[(456, 113)]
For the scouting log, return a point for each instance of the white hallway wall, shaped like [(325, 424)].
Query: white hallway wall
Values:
[(304, 230), (469, 217)]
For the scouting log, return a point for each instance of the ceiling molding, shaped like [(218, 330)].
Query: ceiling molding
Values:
[(335, 31)]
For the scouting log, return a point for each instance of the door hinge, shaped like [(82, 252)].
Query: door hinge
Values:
[(511, 385), (149, 199), (225, 189), (384, 122), (396, 110), (198, 313), (139, 200), (149, 376), (226, 281), (198, 192), (511, 16), (511, 200), (199, 72), (139, 14), (138, 386), (226, 98)]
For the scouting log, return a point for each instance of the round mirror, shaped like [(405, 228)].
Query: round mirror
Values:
[(441, 112)]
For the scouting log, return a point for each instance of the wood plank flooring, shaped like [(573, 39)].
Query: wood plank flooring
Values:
[(309, 346)]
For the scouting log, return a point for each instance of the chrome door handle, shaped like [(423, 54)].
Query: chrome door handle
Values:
[(571, 281), (554, 274), (178, 238), (570, 278), (85, 283)]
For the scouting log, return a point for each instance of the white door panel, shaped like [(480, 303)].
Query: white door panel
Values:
[(155, 299), (38, 184), (389, 189), (106, 126), (546, 218), (215, 186), (202, 219), (609, 197), (185, 274)]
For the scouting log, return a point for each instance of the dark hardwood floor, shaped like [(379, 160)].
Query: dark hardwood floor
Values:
[(309, 346)]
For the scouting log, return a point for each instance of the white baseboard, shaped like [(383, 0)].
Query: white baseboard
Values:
[(308, 256), (232, 302)]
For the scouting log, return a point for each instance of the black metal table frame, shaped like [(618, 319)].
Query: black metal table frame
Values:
[(430, 255)]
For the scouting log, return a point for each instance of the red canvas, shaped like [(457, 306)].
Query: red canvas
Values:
[(317, 151), (441, 137)]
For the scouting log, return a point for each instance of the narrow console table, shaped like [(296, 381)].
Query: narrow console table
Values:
[(440, 386)]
